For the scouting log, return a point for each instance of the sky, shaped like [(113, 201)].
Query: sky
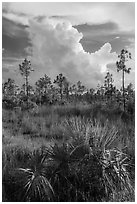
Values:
[(80, 40)]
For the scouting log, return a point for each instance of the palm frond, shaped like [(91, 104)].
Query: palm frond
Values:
[(36, 187)]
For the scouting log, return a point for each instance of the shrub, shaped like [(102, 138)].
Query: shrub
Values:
[(90, 158), (86, 168), (28, 184)]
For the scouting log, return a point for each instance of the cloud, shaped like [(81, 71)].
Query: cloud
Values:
[(14, 38), (19, 19), (94, 36), (96, 29), (56, 48), (12, 29), (5, 70), (3, 50), (121, 13), (10, 69)]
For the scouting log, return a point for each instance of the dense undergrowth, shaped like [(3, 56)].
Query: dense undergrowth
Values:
[(68, 153)]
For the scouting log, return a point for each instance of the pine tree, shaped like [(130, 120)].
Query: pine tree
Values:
[(25, 70), (108, 84), (43, 86), (121, 66), (61, 82)]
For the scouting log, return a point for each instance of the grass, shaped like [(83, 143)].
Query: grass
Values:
[(68, 154)]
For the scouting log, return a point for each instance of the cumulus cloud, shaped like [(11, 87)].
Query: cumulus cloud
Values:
[(56, 48)]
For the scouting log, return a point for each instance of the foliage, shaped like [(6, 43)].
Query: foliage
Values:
[(43, 87), (121, 66), (65, 143), (61, 92), (88, 163), (10, 91), (63, 84), (25, 70)]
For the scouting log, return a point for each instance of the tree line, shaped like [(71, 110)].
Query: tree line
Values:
[(61, 91)]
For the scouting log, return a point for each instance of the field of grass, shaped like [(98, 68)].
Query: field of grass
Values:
[(68, 154)]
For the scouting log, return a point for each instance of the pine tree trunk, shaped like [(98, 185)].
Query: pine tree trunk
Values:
[(61, 95), (27, 92), (123, 91)]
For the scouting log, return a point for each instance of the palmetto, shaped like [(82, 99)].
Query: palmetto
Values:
[(36, 187), (77, 171), (32, 183)]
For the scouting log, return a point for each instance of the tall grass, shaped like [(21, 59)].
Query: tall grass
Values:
[(67, 156), (68, 173)]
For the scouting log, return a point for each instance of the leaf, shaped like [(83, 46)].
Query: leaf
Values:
[(79, 152)]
